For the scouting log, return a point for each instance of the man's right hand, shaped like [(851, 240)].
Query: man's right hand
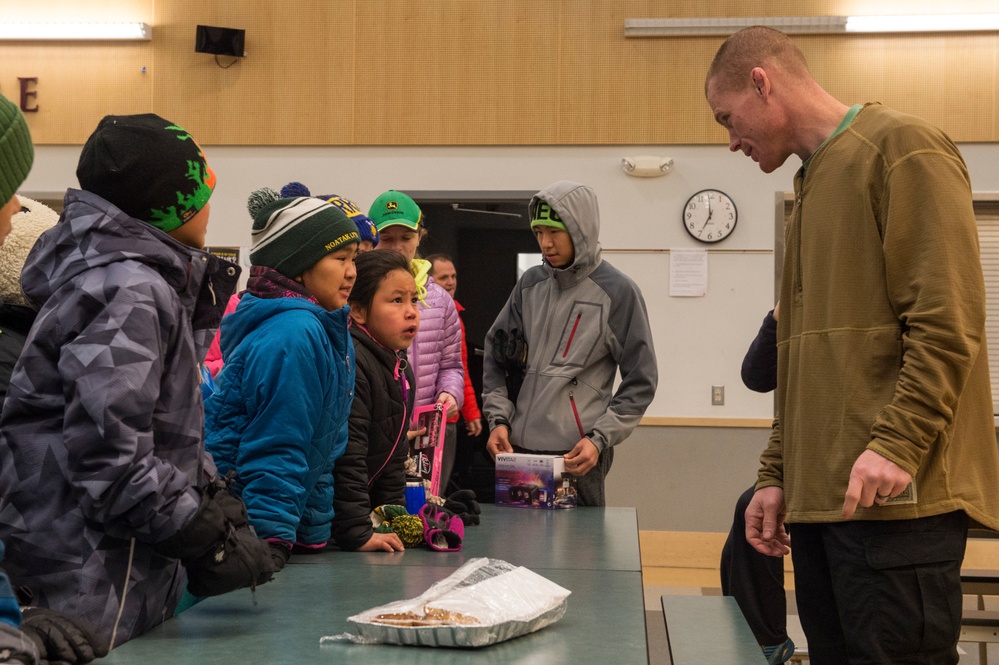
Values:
[(765, 522), (499, 441)]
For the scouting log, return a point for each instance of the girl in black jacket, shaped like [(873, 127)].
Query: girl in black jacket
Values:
[(384, 321)]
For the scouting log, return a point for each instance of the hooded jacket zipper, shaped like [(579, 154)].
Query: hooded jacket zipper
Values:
[(400, 364)]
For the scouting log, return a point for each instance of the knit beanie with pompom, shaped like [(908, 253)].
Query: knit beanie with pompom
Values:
[(290, 235)]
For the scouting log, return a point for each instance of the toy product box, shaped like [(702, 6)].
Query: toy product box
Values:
[(428, 448), (534, 481)]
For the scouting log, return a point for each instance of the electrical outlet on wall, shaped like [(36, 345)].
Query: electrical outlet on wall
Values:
[(717, 395)]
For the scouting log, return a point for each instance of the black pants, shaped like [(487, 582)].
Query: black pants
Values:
[(876, 592), (755, 580), (449, 451), (590, 488)]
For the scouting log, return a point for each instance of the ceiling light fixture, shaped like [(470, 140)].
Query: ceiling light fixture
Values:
[(810, 25), (75, 31)]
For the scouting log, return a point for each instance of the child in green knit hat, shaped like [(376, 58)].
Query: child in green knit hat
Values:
[(16, 156)]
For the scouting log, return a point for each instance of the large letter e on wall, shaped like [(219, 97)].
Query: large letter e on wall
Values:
[(27, 95)]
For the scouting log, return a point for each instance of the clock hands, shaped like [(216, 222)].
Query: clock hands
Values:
[(710, 213)]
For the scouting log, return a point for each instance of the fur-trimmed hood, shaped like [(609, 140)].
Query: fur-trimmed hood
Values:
[(26, 226)]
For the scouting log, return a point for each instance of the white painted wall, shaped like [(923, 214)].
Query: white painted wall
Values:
[(699, 341)]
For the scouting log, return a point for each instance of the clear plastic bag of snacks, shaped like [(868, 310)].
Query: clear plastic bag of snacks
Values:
[(484, 602)]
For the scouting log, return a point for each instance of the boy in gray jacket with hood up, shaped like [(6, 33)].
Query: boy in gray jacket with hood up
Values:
[(581, 319)]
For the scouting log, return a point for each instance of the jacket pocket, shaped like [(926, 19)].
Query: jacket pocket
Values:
[(582, 332)]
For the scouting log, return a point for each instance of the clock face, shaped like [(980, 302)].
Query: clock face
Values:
[(710, 216)]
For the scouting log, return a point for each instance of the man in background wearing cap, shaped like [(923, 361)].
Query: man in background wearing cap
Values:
[(445, 274), (16, 156), (103, 483), (582, 320)]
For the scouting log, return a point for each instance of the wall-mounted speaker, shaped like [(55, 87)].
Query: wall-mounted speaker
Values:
[(220, 41)]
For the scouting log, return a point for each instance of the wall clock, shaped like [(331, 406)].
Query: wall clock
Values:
[(710, 216)]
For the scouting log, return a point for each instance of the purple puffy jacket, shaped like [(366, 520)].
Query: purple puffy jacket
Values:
[(436, 352)]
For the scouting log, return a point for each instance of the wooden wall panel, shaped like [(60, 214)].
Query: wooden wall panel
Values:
[(457, 72), (78, 84), (294, 86), (468, 72), (615, 88), (950, 81)]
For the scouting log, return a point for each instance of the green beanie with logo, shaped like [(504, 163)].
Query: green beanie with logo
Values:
[(544, 215)]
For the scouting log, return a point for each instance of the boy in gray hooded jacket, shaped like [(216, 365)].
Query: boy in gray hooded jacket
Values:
[(581, 320)]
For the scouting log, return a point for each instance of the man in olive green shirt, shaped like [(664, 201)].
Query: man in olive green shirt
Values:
[(884, 443)]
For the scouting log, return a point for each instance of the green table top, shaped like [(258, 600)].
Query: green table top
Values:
[(593, 552), (577, 539), (708, 630), (604, 622)]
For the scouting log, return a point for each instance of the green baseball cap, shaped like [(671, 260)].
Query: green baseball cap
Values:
[(395, 209)]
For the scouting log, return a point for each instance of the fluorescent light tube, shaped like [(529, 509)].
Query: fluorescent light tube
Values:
[(809, 25), (938, 23), (75, 31)]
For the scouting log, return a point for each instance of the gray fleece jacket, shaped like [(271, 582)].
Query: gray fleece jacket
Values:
[(582, 323)]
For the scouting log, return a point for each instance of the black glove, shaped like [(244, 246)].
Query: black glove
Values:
[(16, 648), (279, 555), (61, 639), (510, 354), (219, 548), (463, 504)]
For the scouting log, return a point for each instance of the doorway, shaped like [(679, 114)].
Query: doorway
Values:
[(483, 232)]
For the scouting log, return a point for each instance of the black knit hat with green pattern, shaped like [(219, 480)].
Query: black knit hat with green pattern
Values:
[(147, 166)]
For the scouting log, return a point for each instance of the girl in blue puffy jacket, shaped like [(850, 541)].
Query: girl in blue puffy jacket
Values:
[(278, 419)]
